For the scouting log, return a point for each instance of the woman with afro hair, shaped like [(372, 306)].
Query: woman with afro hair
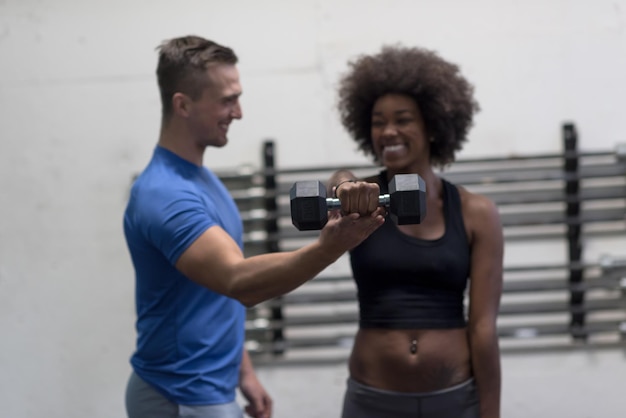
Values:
[(418, 352)]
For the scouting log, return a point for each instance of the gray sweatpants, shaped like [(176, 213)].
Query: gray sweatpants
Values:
[(143, 401), (460, 401)]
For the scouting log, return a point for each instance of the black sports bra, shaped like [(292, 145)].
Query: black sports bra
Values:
[(405, 282)]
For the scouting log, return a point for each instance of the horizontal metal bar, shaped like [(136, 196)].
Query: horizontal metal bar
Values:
[(537, 330), (509, 235), (556, 307), (554, 235), (517, 286), (523, 197), (264, 359), (547, 219), (607, 265), (501, 175), (508, 219), (337, 340), (559, 217), (509, 197), (310, 320), (521, 217), (535, 174), (348, 278), (514, 158), (521, 332), (528, 308), (544, 285)]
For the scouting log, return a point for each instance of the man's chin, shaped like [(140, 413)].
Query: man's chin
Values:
[(218, 143)]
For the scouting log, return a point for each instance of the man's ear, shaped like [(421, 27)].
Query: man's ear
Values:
[(180, 104)]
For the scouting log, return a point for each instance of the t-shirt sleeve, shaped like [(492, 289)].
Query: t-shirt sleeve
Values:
[(173, 220)]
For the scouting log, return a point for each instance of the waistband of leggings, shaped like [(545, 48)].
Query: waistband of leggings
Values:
[(355, 384)]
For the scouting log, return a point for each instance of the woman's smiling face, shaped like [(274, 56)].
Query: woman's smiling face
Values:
[(398, 133)]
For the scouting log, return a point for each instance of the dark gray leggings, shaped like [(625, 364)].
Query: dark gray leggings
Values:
[(143, 401), (460, 401)]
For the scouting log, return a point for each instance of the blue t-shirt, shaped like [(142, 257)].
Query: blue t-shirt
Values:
[(189, 338)]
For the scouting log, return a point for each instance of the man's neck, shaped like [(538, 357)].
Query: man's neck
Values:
[(178, 140)]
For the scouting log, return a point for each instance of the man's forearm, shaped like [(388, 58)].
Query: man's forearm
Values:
[(246, 366), (263, 277)]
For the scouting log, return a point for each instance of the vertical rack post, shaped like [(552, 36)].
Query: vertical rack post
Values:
[(272, 240), (574, 225)]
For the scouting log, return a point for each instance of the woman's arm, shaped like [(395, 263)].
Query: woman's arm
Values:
[(485, 291)]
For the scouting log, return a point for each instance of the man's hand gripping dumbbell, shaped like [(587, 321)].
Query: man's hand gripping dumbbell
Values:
[(406, 202)]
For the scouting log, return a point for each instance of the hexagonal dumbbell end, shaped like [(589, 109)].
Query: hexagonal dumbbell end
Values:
[(407, 197), (308, 205)]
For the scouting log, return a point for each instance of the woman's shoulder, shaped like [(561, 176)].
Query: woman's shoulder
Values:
[(475, 204)]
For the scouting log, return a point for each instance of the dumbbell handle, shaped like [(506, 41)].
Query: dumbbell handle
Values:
[(333, 203)]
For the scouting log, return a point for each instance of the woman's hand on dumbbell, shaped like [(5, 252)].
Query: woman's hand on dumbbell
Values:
[(405, 202), (358, 197), (343, 233)]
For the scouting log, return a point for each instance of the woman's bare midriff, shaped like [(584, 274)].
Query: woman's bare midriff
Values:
[(410, 360)]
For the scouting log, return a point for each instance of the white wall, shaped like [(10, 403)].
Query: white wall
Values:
[(79, 115)]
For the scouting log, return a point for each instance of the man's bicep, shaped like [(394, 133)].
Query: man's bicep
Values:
[(210, 259), (172, 220)]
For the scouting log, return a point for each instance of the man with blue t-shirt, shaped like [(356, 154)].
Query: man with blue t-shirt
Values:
[(184, 235)]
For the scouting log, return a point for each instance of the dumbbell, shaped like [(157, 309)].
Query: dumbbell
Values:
[(406, 202)]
